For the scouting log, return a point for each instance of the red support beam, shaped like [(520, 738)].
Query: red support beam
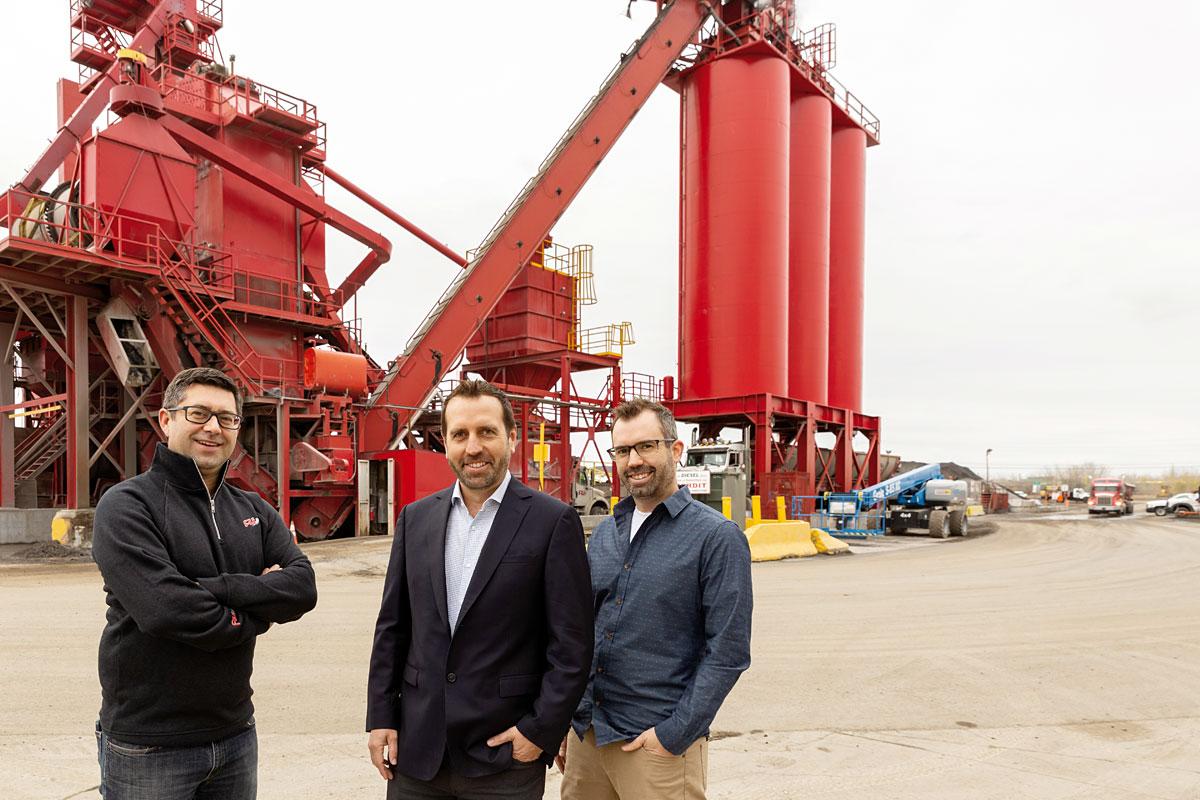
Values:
[(8, 495), (844, 458), (78, 404), (283, 439), (566, 470)]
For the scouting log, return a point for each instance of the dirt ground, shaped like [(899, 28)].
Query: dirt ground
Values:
[(1056, 658)]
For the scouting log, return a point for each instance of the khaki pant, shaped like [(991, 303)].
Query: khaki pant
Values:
[(609, 773)]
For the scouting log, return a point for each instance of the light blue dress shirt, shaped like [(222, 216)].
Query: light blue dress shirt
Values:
[(465, 536)]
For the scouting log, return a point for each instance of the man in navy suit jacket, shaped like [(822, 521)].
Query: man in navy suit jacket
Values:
[(484, 639)]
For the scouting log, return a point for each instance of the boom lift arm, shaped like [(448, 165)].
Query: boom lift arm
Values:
[(431, 351), (906, 483)]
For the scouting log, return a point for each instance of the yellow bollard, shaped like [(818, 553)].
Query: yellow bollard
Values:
[(756, 508), (727, 507), (780, 508), (612, 505)]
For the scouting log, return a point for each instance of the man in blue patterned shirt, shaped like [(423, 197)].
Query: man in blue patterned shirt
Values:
[(672, 592)]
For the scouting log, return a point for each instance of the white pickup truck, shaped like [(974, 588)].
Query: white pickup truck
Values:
[(1185, 501)]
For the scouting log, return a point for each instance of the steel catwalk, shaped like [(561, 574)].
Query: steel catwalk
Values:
[(808, 248), (846, 226), (734, 271)]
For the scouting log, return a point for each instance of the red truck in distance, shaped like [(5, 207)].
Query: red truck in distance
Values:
[(1111, 496)]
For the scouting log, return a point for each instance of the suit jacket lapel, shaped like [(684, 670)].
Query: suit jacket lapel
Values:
[(504, 527), (439, 518)]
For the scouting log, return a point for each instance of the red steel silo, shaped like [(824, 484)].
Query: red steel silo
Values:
[(734, 193), (846, 223), (808, 249)]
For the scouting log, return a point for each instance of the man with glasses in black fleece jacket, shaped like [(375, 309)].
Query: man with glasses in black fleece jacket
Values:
[(194, 570)]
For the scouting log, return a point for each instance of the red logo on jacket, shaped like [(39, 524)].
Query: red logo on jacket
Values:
[(250, 522)]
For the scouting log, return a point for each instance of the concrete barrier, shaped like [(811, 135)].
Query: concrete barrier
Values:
[(827, 545), (25, 525), (73, 526), (774, 541)]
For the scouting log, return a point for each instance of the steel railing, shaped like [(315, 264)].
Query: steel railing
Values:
[(813, 52), (640, 384), (604, 340), (217, 94), (858, 524)]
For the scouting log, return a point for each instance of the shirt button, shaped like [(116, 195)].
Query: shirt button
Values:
[(627, 566), (618, 601), (451, 678), (600, 670), (608, 635)]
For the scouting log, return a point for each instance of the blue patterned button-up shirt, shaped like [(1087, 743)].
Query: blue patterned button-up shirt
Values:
[(672, 622)]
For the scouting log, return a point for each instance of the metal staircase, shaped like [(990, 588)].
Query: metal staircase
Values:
[(41, 448), (210, 333)]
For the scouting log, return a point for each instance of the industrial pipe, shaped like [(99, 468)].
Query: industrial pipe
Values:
[(341, 181)]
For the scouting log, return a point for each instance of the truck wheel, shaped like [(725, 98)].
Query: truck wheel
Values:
[(959, 522), (1178, 508), (598, 510), (1161, 511), (937, 524)]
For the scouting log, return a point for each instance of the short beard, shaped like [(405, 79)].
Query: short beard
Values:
[(664, 476), (489, 480)]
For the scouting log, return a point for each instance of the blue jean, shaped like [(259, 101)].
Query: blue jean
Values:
[(224, 770)]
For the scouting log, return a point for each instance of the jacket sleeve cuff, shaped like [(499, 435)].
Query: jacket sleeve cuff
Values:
[(382, 718), (531, 731), (672, 735)]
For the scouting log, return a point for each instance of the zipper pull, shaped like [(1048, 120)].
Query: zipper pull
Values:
[(212, 507)]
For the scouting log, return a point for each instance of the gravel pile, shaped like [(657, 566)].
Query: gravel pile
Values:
[(53, 551)]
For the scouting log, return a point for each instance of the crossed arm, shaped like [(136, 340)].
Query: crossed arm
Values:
[(231, 610), (283, 592)]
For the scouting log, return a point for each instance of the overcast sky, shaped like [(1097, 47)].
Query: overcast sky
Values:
[(1032, 217)]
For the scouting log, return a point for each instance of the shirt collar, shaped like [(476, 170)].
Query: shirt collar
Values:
[(674, 504), (497, 495), (183, 471)]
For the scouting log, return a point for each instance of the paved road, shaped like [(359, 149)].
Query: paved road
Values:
[(1056, 658)]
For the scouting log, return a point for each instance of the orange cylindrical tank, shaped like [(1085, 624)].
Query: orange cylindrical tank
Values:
[(847, 218), (808, 249), (734, 264), (334, 372)]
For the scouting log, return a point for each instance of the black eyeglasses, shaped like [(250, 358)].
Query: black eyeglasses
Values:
[(643, 448), (198, 415)]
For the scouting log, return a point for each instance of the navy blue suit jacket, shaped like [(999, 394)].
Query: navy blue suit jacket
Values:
[(521, 652)]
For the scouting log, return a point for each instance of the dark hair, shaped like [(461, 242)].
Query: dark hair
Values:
[(638, 406), (481, 388), (199, 376)]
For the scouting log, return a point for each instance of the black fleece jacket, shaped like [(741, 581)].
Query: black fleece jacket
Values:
[(186, 599)]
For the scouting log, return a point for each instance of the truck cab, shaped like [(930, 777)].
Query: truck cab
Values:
[(1111, 496), (592, 493), (714, 469)]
